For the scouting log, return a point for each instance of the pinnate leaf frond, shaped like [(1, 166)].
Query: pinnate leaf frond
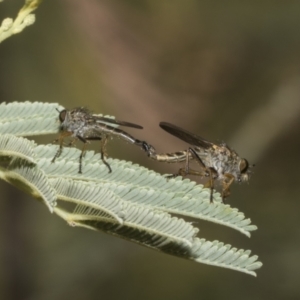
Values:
[(131, 202)]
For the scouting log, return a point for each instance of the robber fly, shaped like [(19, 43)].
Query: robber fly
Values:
[(218, 162), (80, 124)]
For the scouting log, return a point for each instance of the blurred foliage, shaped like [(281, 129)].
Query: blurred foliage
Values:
[(206, 66)]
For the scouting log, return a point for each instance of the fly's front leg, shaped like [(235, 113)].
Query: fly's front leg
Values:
[(60, 139), (72, 142), (103, 153), (228, 180), (65, 135)]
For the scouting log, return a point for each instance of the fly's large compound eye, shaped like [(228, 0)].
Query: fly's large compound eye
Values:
[(243, 166), (62, 115)]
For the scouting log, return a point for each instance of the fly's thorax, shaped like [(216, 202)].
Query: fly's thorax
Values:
[(226, 161), (221, 159), (72, 121)]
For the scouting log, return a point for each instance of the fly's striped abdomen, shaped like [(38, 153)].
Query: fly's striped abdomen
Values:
[(108, 130), (111, 131), (171, 157)]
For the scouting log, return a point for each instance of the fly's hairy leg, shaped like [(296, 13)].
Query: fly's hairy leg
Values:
[(229, 179), (103, 153), (186, 155), (82, 152), (81, 156), (191, 154), (60, 139), (72, 142), (187, 162), (182, 172), (212, 174), (181, 156), (102, 149)]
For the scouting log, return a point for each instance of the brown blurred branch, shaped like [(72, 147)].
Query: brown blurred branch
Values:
[(125, 65)]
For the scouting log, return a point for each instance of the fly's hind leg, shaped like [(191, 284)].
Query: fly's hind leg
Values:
[(103, 153), (191, 153), (187, 162), (102, 149), (182, 172)]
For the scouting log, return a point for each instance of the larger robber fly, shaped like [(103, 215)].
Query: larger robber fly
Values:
[(80, 124), (217, 162)]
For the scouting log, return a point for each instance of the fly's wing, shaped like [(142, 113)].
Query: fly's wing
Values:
[(108, 121), (190, 138)]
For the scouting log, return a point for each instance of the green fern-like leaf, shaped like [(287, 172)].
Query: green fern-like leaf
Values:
[(21, 119), (31, 179), (211, 253), (131, 202), (139, 185), (13, 147), (98, 201)]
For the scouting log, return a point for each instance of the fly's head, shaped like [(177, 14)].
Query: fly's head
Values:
[(62, 115), (73, 120), (244, 170), (63, 118)]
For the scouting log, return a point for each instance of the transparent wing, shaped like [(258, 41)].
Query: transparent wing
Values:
[(190, 138), (116, 122)]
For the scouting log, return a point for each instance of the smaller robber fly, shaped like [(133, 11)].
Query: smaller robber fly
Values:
[(218, 162), (80, 124)]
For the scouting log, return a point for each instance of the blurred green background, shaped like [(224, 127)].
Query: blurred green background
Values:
[(228, 71)]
